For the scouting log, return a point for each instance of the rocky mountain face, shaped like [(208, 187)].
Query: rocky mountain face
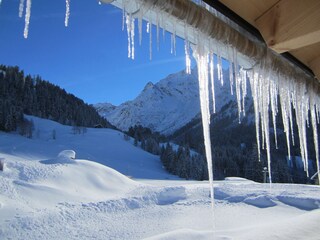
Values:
[(165, 106)]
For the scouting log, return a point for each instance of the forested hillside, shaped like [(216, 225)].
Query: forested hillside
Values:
[(23, 94), (234, 147)]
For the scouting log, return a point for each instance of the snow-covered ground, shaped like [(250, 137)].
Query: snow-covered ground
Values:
[(47, 195)]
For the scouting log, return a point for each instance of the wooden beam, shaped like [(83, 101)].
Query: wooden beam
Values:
[(291, 24)]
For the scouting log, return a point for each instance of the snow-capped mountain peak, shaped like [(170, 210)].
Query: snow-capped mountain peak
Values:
[(165, 106)]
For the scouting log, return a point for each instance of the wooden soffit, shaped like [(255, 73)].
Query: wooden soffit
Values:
[(291, 26)]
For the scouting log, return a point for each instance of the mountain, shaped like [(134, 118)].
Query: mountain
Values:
[(165, 106)]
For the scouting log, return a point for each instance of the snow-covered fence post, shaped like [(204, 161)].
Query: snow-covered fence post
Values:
[(1, 164)]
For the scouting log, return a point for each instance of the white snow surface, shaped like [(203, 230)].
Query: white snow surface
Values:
[(83, 199), (165, 106)]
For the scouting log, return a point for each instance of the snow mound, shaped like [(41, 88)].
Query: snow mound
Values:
[(48, 184), (171, 195), (65, 156), (307, 204), (89, 180), (260, 201)]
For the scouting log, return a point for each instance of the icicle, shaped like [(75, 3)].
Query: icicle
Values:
[(158, 32), (130, 32), (301, 116), (260, 107), (173, 42), (140, 26), (274, 111), (238, 91), (238, 83), (188, 59), (284, 99), (315, 137), (164, 25), (220, 70), (132, 38), (66, 21), (124, 14), (230, 71), (201, 57), (212, 82), (150, 40), (265, 120), (148, 27), (27, 19), (243, 75), (290, 118), (318, 113), (21, 8), (254, 78)]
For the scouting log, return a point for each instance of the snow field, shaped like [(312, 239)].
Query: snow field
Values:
[(44, 198), (86, 200)]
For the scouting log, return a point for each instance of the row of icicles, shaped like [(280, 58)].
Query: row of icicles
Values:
[(266, 88), (25, 6)]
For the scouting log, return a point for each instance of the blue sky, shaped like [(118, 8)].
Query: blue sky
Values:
[(88, 58)]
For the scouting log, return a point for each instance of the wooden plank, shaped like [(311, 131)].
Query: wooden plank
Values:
[(307, 54), (249, 10), (291, 24)]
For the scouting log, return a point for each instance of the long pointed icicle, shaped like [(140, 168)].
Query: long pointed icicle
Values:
[(66, 20), (284, 99), (212, 82), (274, 110), (187, 54), (130, 31), (202, 57), (315, 137), (27, 19), (21, 8), (254, 89)]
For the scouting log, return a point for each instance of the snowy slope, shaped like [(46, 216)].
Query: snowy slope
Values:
[(105, 146), (165, 106)]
